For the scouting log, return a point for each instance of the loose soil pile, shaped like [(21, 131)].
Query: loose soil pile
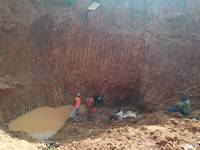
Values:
[(149, 132), (152, 131), (7, 142)]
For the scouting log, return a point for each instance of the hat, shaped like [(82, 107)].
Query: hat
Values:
[(184, 97)]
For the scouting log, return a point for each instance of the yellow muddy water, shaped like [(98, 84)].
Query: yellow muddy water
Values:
[(42, 123)]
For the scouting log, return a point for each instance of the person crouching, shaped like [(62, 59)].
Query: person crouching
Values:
[(117, 116), (182, 107)]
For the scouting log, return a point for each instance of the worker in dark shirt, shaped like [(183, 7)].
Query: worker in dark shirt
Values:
[(98, 101)]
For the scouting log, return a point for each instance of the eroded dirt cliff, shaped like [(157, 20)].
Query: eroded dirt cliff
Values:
[(142, 52)]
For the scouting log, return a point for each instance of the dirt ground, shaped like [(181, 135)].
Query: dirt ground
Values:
[(149, 132), (8, 142), (150, 54)]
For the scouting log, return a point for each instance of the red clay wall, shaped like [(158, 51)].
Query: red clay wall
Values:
[(145, 52)]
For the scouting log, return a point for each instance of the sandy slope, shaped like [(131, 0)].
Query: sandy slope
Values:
[(9, 143)]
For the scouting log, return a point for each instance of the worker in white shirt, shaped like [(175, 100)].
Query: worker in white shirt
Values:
[(117, 116)]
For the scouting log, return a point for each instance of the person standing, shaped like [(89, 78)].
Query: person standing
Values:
[(98, 101), (75, 108), (90, 108)]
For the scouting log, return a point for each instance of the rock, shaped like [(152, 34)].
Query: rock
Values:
[(174, 122), (155, 137), (162, 143), (189, 147), (128, 137), (172, 139)]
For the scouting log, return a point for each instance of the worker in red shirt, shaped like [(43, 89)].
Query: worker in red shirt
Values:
[(75, 108), (90, 108)]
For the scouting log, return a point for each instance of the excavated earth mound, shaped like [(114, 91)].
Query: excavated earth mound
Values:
[(149, 132), (140, 53)]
